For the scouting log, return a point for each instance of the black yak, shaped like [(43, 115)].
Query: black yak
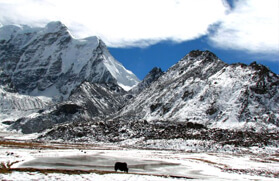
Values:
[(122, 166)]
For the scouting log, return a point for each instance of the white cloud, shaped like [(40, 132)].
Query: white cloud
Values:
[(122, 22), (252, 25)]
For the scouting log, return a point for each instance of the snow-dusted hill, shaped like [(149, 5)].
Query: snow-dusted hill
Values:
[(50, 62), (203, 89)]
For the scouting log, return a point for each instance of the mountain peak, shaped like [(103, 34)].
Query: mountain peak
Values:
[(152, 76), (55, 26), (206, 56), (197, 53), (9, 31), (155, 70)]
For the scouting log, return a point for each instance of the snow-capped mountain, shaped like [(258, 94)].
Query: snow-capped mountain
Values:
[(40, 67), (50, 62), (203, 89)]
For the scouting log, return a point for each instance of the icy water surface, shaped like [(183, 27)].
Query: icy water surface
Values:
[(102, 162)]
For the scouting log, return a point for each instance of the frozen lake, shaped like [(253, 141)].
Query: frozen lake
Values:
[(201, 166), (100, 161)]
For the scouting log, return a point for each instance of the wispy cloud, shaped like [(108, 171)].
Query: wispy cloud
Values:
[(252, 25)]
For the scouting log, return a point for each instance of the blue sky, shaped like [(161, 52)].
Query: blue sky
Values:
[(166, 53), (143, 34)]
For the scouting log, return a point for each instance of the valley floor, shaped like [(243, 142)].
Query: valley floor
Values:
[(26, 160)]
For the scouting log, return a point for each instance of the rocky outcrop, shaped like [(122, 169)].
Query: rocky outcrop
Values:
[(152, 76)]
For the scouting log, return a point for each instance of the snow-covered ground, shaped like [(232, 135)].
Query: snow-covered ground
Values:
[(92, 176), (200, 166)]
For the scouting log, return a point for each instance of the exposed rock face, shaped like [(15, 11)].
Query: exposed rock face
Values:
[(99, 99)]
